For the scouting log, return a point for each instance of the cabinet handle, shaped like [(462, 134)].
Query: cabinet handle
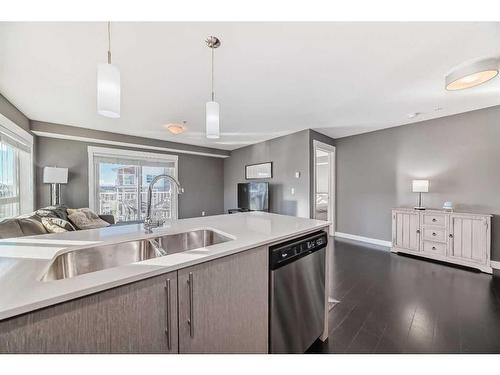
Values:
[(451, 235), (434, 220), (168, 330), (190, 320)]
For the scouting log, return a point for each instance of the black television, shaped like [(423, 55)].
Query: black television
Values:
[(253, 196)]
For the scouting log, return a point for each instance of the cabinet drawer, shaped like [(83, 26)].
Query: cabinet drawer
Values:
[(434, 247), (433, 219), (434, 234)]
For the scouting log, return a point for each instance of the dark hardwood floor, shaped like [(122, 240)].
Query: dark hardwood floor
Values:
[(392, 303)]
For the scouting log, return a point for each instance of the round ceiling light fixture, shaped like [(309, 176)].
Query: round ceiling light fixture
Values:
[(176, 128), (472, 74)]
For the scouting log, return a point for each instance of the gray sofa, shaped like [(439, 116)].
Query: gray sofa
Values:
[(32, 225)]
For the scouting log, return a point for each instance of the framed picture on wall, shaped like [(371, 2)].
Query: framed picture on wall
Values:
[(259, 171)]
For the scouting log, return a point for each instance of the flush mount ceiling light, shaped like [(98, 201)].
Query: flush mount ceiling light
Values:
[(472, 74), (176, 128), (212, 107), (108, 86)]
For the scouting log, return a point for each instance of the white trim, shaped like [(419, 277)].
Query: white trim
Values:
[(113, 152), (26, 197), (124, 144), (117, 152), (373, 241), (16, 130), (317, 145), (495, 264)]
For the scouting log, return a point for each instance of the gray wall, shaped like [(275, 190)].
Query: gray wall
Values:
[(13, 114), (289, 154), (460, 155), (201, 176)]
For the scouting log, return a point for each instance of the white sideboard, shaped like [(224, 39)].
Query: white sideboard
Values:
[(454, 237)]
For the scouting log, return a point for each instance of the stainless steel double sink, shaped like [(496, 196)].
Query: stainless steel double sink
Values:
[(78, 262)]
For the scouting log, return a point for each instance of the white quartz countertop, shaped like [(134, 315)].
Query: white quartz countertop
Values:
[(24, 261)]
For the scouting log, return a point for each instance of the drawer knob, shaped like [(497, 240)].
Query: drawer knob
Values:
[(434, 219), (451, 235), (418, 230), (433, 233), (433, 247)]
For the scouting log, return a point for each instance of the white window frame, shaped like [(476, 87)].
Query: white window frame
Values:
[(26, 182), (94, 151)]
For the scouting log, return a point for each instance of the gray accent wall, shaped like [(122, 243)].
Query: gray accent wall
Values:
[(201, 176), (459, 154), (289, 154), (13, 114), (74, 131)]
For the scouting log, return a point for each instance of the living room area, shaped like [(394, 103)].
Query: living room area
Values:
[(256, 183)]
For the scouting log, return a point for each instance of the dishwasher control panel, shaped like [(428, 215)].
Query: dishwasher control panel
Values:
[(289, 251)]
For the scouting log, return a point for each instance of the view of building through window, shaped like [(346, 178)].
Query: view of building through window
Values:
[(123, 188), (9, 186)]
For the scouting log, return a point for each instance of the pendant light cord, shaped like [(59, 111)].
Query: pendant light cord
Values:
[(109, 42), (213, 94)]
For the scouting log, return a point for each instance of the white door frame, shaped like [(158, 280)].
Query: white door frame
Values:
[(317, 145)]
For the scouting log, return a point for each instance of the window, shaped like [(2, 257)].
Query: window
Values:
[(119, 181), (16, 170)]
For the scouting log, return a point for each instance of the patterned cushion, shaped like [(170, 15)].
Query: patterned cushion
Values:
[(85, 218), (53, 211), (56, 225)]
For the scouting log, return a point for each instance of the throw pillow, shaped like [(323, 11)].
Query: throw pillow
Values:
[(56, 225), (85, 218)]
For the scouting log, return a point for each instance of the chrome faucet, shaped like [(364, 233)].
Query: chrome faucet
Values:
[(148, 222)]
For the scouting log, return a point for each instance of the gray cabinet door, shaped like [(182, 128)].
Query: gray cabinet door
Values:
[(223, 305), (142, 316), (127, 319)]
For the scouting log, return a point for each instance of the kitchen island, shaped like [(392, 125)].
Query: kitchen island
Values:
[(145, 306)]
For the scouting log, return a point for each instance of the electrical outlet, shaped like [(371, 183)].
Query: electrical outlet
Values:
[(292, 191), (202, 213)]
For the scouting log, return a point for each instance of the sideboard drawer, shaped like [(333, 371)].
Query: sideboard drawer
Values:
[(434, 234), (433, 219), (434, 247)]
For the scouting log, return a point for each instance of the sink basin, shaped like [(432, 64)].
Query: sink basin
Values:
[(175, 243), (78, 262)]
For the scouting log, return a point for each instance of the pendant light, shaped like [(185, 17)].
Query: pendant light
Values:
[(212, 107), (108, 86)]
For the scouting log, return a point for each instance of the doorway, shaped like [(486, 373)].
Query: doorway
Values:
[(324, 183)]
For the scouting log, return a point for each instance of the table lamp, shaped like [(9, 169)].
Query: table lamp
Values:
[(55, 177), (420, 186)]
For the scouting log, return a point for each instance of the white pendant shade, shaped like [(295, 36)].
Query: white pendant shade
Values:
[(212, 115), (108, 90)]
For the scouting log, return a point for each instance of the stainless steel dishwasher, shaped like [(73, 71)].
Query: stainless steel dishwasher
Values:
[(297, 293)]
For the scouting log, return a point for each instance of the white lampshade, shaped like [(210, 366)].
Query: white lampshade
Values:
[(212, 113), (53, 175), (108, 90), (420, 186)]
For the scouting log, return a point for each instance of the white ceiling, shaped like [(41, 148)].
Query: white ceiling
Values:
[(271, 78)]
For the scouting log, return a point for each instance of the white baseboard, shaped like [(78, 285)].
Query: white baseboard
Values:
[(373, 241), (495, 264)]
